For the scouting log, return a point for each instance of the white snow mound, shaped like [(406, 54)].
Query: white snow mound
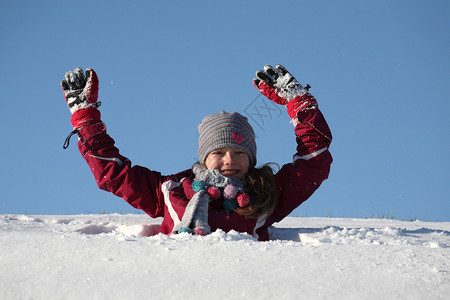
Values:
[(122, 257)]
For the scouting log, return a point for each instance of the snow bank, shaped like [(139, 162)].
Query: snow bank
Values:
[(121, 257)]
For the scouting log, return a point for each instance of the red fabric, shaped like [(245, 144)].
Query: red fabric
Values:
[(165, 196), (85, 117), (187, 187), (299, 103), (92, 86), (269, 91), (293, 106)]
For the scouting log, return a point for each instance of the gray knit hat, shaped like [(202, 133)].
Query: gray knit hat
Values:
[(226, 130)]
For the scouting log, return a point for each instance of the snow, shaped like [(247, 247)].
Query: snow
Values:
[(121, 257)]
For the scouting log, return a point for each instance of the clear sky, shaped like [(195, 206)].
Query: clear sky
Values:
[(380, 71)]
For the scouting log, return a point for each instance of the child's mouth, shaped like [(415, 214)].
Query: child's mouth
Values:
[(230, 172)]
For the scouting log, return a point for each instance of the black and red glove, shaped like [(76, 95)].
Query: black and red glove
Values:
[(81, 93), (281, 87)]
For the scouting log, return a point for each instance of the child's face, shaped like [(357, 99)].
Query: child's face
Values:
[(232, 162)]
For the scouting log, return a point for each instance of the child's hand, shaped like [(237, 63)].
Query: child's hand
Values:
[(281, 87), (79, 90), (278, 84), (81, 93)]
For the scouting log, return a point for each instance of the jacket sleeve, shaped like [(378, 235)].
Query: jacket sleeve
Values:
[(297, 181), (114, 173)]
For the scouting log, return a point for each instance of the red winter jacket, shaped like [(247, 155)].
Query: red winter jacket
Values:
[(163, 196)]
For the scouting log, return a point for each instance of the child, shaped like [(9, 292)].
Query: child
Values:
[(224, 189)]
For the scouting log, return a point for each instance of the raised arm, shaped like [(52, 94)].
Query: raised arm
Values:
[(113, 172), (298, 180)]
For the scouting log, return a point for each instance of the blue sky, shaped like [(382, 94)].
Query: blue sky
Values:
[(379, 69)]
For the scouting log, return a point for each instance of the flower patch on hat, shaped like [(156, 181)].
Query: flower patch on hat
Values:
[(238, 138)]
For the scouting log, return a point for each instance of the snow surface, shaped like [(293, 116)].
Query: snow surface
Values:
[(120, 257)]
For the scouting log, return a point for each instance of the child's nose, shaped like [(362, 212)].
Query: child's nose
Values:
[(229, 157)]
